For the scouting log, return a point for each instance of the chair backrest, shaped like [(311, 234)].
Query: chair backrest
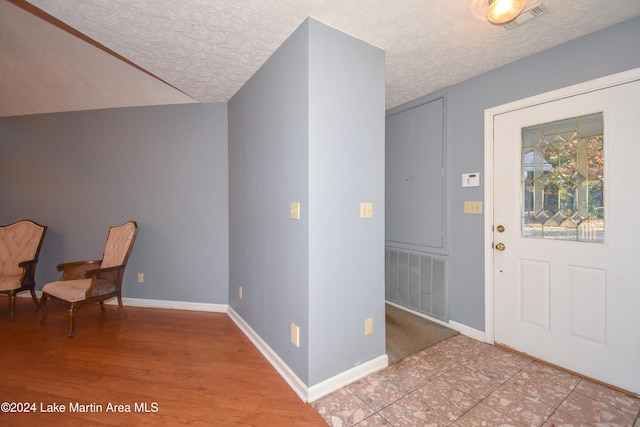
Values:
[(119, 243), (20, 241)]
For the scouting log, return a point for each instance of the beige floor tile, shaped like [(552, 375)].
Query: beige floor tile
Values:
[(376, 420), (540, 389), (462, 382), (469, 381), (616, 399), (460, 348), (553, 375), (342, 408), (495, 368), (561, 419), (483, 415), (377, 391), (592, 411), (408, 374), (519, 407), (445, 399), (411, 411), (437, 364)]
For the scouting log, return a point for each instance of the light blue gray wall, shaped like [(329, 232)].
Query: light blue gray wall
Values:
[(309, 127), (268, 169), (346, 167), (605, 52), (165, 167)]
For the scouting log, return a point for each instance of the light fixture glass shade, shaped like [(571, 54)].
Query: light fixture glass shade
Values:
[(503, 11)]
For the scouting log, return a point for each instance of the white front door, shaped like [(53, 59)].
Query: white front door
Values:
[(566, 230)]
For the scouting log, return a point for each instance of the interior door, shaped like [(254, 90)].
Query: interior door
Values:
[(566, 263)]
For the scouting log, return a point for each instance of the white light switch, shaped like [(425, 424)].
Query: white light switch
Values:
[(471, 179)]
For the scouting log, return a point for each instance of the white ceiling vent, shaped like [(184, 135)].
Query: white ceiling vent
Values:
[(526, 16)]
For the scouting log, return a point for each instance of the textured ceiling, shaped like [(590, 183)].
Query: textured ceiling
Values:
[(83, 54)]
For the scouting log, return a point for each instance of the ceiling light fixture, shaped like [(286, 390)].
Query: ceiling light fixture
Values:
[(503, 11)]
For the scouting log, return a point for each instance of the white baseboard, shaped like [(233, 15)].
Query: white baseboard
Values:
[(156, 303), (467, 331), (347, 377), (463, 329), (176, 305), (307, 394), (283, 369)]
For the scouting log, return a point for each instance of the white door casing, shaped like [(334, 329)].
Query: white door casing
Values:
[(573, 304)]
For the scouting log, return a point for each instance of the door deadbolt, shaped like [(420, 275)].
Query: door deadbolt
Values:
[(500, 228), (500, 247)]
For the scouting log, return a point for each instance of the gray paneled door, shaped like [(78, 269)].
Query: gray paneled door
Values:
[(414, 176)]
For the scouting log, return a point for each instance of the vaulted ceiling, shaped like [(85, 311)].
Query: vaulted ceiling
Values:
[(65, 55)]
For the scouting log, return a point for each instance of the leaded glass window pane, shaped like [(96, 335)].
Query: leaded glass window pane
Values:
[(563, 179)]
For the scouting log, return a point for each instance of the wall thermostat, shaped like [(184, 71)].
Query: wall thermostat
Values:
[(471, 179)]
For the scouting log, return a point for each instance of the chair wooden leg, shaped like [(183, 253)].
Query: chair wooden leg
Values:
[(72, 320), (43, 304), (34, 297), (102, 306), (122, 306), (12, 305)]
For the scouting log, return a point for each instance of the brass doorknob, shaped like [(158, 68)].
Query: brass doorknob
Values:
[(500, 246), (500, 228)]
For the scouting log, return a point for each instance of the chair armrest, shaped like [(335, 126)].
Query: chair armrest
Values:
[(27, 263), (101, 277), (77, 269), (101, 272), (28, 271)]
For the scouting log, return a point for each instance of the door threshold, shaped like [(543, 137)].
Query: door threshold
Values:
[(579, 375)]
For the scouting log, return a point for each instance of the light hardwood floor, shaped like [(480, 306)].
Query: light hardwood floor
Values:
[(187, 367)]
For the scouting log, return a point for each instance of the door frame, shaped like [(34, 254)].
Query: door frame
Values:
[(580, 88)]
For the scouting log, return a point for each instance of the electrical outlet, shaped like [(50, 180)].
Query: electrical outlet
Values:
[(140, 277), (368, 326), (366, 210), (240, 292), (295, 335)]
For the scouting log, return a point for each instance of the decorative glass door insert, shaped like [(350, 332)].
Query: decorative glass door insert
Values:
[(563, 179)]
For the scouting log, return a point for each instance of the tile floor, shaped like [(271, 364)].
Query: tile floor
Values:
[(462, 382)]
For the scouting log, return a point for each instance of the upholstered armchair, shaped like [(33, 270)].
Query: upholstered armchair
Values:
[(87, 282), (20, 245)]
